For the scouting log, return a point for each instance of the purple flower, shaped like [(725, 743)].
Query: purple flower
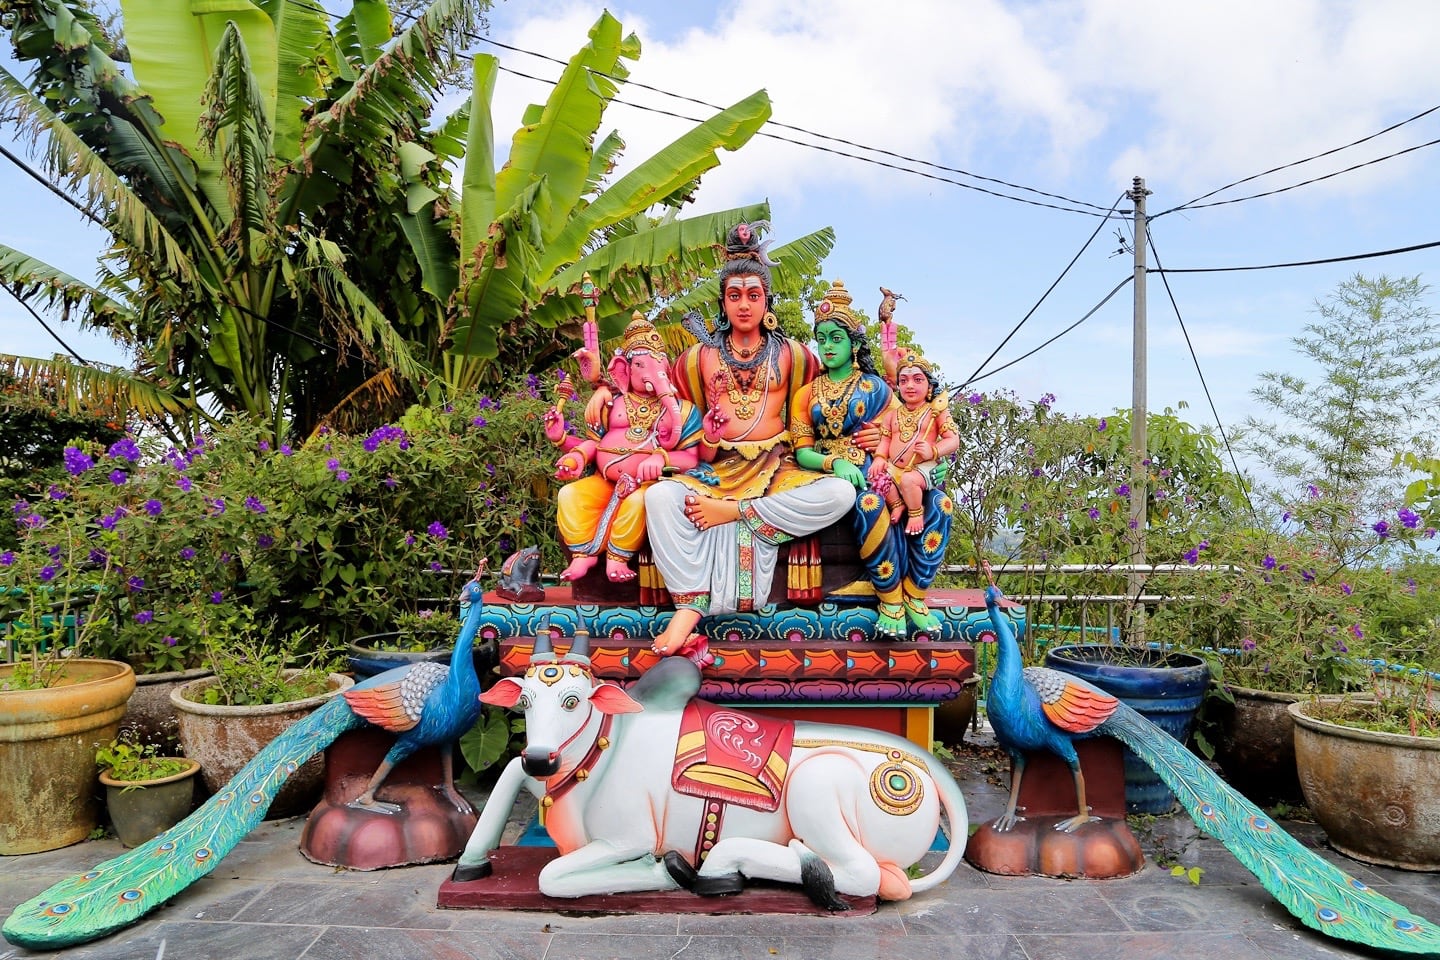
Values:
[(254, 505), (1381, 528), (217, 596), (264, 446), (1355, 629), (342, 475), (32, 520), (285, 450), (1134, 524), (1429, 533), (19, 507), (54, 552), (264, 541), (1313, 490), (1047, 400), (390, 483), (332, 464), (124, 449), (77, 461), (1268, 563), (486, 403), (154, 507), (55, 493), (435, 566), (136, 583), (170, 641), (145, 616), (1340, 647), (226, 556), (478, 421), (1161, 494), (409, 539), (99, 557), (1192, 555), (188, 553), (975, 399), (1100, 427), (1307, 575), (1410, 586), (1285, 517), (7, 558), (1123, 490), (1409, 518), (1094, 513), (217, 506), (183, 482), (1345, 589), (118, 477), (1247, 644), (47, 573), (437, 530)]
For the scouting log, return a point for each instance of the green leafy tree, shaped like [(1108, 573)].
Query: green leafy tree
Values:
[(1376, 343)]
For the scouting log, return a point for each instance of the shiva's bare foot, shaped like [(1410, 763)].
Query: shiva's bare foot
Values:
[(618, 570), (682, 624), (706, 512), (579, 567)]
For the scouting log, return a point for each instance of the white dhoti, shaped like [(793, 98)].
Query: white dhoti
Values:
[(730, 567)]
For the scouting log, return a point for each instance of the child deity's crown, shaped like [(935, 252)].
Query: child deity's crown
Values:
[(910, 357), (835, 308), (642, 335)]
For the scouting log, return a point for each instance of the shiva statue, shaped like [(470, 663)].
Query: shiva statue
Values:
[(637, 432), (715, 532), (825, 417)]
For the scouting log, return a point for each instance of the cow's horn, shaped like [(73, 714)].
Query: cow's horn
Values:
[(580, 648), (543, 650)]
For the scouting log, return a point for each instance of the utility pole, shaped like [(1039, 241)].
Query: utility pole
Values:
[(1139, 472)]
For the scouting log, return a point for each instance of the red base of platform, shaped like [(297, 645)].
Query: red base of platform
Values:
[(515, 886)]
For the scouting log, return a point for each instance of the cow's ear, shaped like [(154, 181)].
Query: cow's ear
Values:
[(609, 698), (505, 693)]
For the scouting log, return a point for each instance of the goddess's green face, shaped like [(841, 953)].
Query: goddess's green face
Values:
[(833, 342)]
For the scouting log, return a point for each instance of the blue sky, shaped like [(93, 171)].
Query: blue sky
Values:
[(1073, 98)]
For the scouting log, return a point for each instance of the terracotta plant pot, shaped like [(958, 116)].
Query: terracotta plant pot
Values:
[(1255, 744), (142, 809), (223, 739), (150, 714), (49, 785), (1377, 795), (1165, 688)]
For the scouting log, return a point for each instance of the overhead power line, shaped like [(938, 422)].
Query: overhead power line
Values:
[(41, 320), (1296, 163), (1025, 356), (1302, 263)]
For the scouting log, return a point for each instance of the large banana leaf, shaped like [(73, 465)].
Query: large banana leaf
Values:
[(477, 184), (557, 145), (659, 176), (302, 40), (501, 286), (107, 196), (29, 279), (172, 50), (236, 114), (79, 388), (631, 272)]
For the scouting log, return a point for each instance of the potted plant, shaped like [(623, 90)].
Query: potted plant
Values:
[(259, 688), (423, 635), (1370, 769), (55, 703), (146, 793)]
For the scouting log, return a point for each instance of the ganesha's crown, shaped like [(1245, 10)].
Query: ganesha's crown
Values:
[(642, 335)]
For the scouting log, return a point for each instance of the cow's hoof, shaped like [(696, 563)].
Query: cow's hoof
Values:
[(680, 870), (465, 872), (719, 886)]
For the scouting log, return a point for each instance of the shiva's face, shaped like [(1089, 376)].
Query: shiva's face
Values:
[(833, 342), (744, 303)]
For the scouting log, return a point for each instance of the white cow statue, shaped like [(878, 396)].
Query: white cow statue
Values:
[(656, 790)]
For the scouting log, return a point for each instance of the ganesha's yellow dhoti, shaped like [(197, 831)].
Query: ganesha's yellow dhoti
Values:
[(594, 519)]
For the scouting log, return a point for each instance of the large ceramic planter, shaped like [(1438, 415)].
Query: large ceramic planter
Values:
[(149, 713), (365, 658), (49, 785), (223, 739), (1164, 687), (1255, 744), (1377, 795), (142, 809)]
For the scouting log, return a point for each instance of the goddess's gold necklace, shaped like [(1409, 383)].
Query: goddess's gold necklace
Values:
[(834, 399)]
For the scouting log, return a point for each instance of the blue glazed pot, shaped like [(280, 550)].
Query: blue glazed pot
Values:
[(365, 660), (1165, 688)]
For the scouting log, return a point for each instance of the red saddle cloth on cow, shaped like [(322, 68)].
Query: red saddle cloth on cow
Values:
[(730, 755)]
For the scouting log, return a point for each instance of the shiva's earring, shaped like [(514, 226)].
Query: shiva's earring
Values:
[(770, 321)]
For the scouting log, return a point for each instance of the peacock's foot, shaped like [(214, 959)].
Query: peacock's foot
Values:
[(374, 806), (1006, 821), (456, 800), (579, 566), (465, 872), (1075, 823)]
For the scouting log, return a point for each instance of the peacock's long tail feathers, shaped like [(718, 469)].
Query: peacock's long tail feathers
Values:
[(118, 892), (1317, 892)]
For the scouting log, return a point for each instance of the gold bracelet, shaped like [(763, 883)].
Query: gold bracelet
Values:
[(663, 455), (829, 463)]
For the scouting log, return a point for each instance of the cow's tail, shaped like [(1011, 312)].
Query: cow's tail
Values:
[(954, 803)]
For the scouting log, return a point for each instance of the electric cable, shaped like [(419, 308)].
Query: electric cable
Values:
[(1024, 356), (29, 171), (1195, 359), (1303, 183), (1302, 263), (1296, 163), (973, 376), (41, 320)]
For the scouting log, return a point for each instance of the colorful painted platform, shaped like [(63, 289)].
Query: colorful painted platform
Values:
[(814, 663)]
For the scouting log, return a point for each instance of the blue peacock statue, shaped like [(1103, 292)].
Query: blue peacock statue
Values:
[(1036, 708), (424, 703)]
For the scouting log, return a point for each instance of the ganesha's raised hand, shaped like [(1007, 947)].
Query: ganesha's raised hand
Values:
[(554, 425), (889, 337), (569, 467), (588, 356)]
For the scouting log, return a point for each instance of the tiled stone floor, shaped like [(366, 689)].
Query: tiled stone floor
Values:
[(266, 901)]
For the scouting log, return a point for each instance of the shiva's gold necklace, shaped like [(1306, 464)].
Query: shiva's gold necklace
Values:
[(834, 399), (743, 401)]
